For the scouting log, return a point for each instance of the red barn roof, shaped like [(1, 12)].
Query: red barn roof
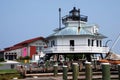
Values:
[(30, 40), (1, 50), (23, 43)]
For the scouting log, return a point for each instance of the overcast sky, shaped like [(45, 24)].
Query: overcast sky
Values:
[(25, 19)]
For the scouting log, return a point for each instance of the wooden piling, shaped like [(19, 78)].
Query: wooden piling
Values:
[(105, 71), (55, 70), (65, 70), (75, 69), (119, 71), (88, 71)]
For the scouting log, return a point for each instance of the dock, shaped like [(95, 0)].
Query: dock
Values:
[(50, 76)]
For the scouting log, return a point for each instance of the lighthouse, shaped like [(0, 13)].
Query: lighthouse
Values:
[(76, 37)]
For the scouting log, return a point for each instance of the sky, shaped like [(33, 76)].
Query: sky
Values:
[(25, 19)]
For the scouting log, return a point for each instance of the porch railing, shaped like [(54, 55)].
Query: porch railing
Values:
[(76, 49)]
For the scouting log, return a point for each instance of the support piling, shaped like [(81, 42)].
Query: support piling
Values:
[(65, 70), (88, 71), (75, 71), (105, 71), (55, 70)]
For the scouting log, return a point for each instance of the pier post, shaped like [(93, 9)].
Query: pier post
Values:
[(65, 70), (119, 71), (75, 69), (88, 71), (55, 70), (105, 71)]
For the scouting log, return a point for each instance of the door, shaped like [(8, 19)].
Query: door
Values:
[(71, 45)]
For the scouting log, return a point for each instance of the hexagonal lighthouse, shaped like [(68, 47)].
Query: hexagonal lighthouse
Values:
[(75, 38)]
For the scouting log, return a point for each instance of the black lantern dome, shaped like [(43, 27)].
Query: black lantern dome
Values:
[(74, 15)]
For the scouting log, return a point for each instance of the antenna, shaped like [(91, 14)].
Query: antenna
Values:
[(79, 21), (79, 17), (59, 18)]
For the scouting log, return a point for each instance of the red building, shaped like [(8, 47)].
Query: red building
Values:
[(25, 48)]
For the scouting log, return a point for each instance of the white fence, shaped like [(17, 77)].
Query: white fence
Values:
[(76, 49)]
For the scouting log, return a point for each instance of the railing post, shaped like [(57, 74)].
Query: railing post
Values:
[(105, 71), (119, 71), (65, 70), (75, 69), (55, 70), (88, 71)]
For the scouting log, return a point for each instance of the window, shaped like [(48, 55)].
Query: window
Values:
[(71, 42), (52, 43), (38, 48), (92, 42), (97, 42), (100, 43), (88, 42), (72, 45)]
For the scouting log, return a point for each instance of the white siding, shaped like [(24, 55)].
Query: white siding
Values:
[(80, 45), (65, 40)]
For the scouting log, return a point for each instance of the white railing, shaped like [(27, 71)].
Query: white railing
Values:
[(76, 49)]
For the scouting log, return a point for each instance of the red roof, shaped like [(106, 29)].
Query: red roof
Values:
[(13, 48), (22, 44), (31, 40), (1, 50)]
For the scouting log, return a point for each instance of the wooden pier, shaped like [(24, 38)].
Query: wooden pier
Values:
[(48, 74)]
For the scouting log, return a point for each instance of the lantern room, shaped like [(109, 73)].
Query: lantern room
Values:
[(74, 15)]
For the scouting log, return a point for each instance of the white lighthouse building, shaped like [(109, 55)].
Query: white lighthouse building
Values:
[(76, 37)]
